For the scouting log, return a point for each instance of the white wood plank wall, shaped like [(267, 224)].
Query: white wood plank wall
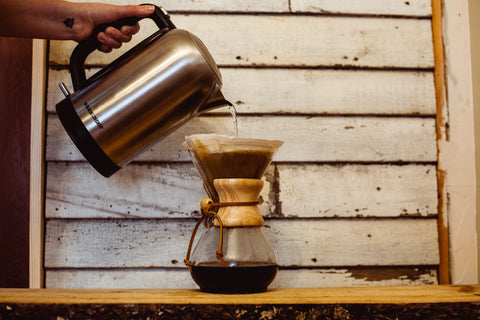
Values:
[(351, 198)]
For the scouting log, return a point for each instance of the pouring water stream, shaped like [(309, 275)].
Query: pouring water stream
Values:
[(233, 111)]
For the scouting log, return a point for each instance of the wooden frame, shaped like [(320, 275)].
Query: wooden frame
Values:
[(39, 55), (439, 78), (456, 159)]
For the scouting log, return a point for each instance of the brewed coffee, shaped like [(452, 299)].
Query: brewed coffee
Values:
[(218, 157), (235, 277), (232, 164)]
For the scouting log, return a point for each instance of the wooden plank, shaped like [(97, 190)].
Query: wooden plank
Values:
[(371, 139), (175, 278), (357, 190), (85, 243), (420, 8), (151, 278), (458, 152), (307, 91), (299, 304), (76, 190), (442, 127), (416, 8), (300, 41), (37, 163), (305, 191), (354, 276), (211, 5), (361, 295)]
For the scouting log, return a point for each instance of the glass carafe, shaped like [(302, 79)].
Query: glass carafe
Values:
[(233, 255), (249, 262)]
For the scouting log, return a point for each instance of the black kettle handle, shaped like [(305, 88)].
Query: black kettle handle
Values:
[(87, 46)]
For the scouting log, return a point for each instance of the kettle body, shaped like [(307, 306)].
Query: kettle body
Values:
[(141, 97)]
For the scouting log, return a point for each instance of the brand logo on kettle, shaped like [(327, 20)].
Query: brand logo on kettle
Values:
[(94, 117)]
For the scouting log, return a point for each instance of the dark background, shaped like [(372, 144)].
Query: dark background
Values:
[(15, 102)]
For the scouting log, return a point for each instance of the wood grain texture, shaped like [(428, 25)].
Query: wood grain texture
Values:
[(416, 8), (75, 190), (212, 5), (423, 302), (371, 7), (351, 199), (37, 163), (310, 91), (357, 191), (174, 278), (238, 190), (442, 119), (300, 41), (307, 139), (162, 243), (365, 295)]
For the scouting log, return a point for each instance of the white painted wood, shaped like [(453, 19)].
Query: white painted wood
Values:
[(163, 243), (306, 138), (311, 91), (119, 279), (457, 153), (396, 7), (387, 7), (76, 190), (357, 190), (315, 278), (37, 177), (316, 81), (243, 40), (329, 91), (180, 278), (210, 5)]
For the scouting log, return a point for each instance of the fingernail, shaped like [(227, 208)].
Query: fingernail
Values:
[(149, 8)]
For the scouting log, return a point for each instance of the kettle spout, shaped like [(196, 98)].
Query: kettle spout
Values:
[(214, 100)]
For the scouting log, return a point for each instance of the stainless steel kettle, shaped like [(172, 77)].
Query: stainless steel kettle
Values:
[(139, 98)]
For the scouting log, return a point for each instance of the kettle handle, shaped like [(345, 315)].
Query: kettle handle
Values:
[(87, 46)]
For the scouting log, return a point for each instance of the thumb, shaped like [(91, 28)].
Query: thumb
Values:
[(135, 11)]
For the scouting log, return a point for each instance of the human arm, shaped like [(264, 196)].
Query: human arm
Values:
[(63, 20)]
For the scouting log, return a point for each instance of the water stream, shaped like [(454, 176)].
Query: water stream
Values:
[(233, 111)]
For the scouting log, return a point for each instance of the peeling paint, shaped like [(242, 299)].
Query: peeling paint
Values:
[(274, 195), (386, 274)]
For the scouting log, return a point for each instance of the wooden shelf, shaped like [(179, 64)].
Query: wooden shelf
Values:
[(412, 302)]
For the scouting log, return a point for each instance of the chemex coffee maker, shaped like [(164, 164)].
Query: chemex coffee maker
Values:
[(233, 255), (141, 97)]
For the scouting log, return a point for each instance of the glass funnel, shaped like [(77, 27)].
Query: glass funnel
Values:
[(233, 255), (218, 156)]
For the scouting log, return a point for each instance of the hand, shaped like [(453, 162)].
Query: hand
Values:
[(113, 38), (65, 20)]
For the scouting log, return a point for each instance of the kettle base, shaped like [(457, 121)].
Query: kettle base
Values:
[(83, 140)]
